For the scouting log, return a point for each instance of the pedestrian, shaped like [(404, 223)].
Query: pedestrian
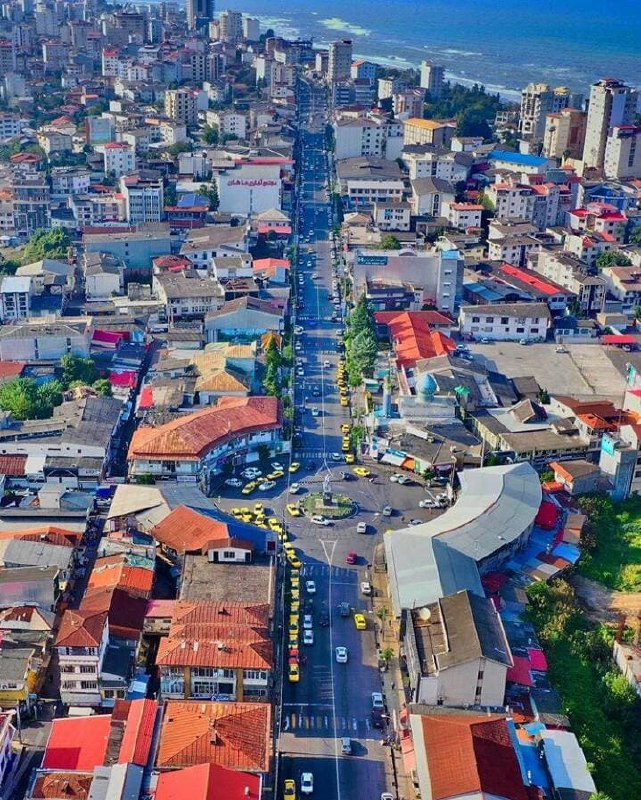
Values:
[(393, 685)]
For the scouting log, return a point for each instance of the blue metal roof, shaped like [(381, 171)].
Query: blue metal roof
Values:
[(521, 159)]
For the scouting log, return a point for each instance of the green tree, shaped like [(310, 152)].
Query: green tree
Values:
[(210, 134), (74, 369), (386, 655), (272, 354), (47, 244), (210, 191), (390, 242), (635, 236), (144, 479), (170, 194), (612, 259), (49, 396), (102, 387), (24, 399)]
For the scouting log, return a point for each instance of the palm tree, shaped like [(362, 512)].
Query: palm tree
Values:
[(387, 655)]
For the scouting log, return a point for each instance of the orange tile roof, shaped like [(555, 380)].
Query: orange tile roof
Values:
[(45, 533), (80, 628), (413, 339), (471, 754), (232, 735), (225, 646), (187, 531), (199, 613), (115, 571), (126, 614), (62, 786), (190, 437)]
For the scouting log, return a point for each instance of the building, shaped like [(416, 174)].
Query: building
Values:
[(576, 477), (42, 340), (15, 297), (408, 279), (180, 105), (204, 656), (448, 554), (467, 754), (144, 198), (462, 216), (205, 245), (251, 186), (120, 159), (7, 734), (186, 295), (365, 181), (359, 136), (506, 321), (612, 104), (564, 134), (197, 445), (432, 78), (136, 249), (244, 320), (228, 734), (363, 70), (81, 645), (537, 101), (429, 195), (511, 200), (340, 61), (392, 216), (199, 13), (457, 652), (208, 781), (428, 131), (622, 159), (230, 26)]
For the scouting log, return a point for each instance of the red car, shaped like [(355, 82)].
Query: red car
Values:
[(351, 558)]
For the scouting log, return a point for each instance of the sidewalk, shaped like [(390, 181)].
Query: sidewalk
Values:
[(387, 636)]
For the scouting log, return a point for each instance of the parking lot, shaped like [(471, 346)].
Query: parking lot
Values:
[(584, 372)]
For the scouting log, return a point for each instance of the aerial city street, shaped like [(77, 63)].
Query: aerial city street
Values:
[(320, 403)]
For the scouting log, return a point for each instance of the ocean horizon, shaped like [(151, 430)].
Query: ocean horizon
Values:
[(503, 44)]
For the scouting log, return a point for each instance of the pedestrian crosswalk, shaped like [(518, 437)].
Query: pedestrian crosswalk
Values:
[(318, 570), (322, 721)]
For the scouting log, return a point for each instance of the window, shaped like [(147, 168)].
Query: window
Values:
[(505, 320), (88, 685), (520, 330), (476, 319), (229, 554), (86, 669)]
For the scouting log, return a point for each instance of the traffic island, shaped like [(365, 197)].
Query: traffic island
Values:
[(339, 506)]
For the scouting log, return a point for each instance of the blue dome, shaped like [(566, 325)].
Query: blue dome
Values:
[(426, 385)]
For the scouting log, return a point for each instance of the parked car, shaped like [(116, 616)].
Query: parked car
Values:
[(341, 655), (235, 483)]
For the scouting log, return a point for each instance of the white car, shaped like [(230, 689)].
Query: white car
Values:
[(276, 466), (387, 511), (236, 483), (341, 655), (308, 622), (366, 588), (300, 372), (306, 783), (361, 527), (319, 519), (315, 412), (427, 504), (394, 478), (294, 488), (299, 328), (403, 479), (251, 473), (267, 486), (310, 587), (308, 637), (327, 364)]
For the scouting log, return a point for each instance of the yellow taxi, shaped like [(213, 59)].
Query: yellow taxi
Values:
[(294, 510), (274, 525), (294, 606), (350, 458), (360, 622), (344, 401), (294, 673), (294, 466), (288, 547), (295, 593), (246, 517), (362, 472), (275, 475), (345, 428), (259, 508), (345, 445), (294, 581), (289, 790), (294, 561), (248, 488)]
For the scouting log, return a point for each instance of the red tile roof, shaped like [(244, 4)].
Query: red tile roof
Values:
[(11, 369), (412, 338), (232, 735), (81, 628), (78, 743), (208, 782), (13, 466), (190, 437), (62, 786), (471, 754), (139, 731), (187, 531), (126, 614), (195, 613)]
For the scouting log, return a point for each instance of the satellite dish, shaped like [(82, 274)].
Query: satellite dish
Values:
[(425, 614)]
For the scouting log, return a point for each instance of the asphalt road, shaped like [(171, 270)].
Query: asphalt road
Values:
[(331, 700)]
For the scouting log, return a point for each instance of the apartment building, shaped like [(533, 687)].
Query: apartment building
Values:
[(428, 131), (119, 158), (622, 158), (537, 101), (180, 106), (506, 321), (15, 298), (144, 199), (511, 199), (612, 104), (564, 134), (81, 644), (364, 181), (569, 271), (432, 78), (339, 66)]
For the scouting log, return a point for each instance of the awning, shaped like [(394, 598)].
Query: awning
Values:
[(409, 464), (619, 339), (393, 459)]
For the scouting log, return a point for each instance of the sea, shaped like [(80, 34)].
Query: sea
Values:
[(503, 44)]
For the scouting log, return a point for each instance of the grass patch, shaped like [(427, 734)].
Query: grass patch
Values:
[(604, 710), (313, 504), (613, 557)]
